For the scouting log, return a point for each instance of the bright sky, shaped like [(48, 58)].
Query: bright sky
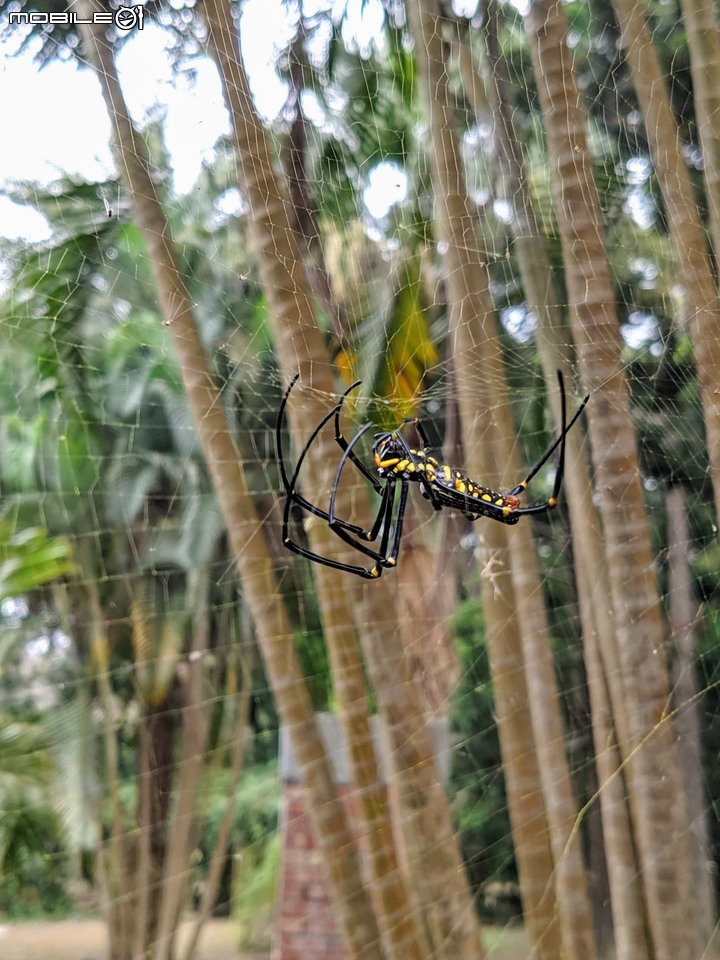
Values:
[(59, 123)]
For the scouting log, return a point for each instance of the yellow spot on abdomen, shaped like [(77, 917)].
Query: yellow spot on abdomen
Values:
[(486, 496)]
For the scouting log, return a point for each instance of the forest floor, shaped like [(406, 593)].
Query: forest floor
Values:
[(85, 940)]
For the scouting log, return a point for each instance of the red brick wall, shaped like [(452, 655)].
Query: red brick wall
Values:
[(305, 924)]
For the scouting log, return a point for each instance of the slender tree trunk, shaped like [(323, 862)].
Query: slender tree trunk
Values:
[(195, 731), (119, 867), (275, 638), (561, 807), (657, 799), (218, 858), (301, 347), (147, 880), (703, 36), (630, 930), (683, 643), (553, 339), (694, 263), (438, 871), (475, 347), (295, 163)]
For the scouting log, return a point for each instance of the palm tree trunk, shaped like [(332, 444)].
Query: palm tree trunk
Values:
[(146, 881), (439, 875), (475, 347), (196, 728), (684, 621), (694, 263), (658, 807), (274, 633), (593, 588), (561, 807), (703, 37), (118, 872), (218, 858)]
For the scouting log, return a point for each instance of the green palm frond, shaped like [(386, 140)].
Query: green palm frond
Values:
[(24, 760), (74, 789), (30, 558)]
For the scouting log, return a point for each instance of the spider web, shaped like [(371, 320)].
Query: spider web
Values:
[(100, 446)]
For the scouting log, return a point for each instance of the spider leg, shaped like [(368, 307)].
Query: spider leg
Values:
[(341, 528), (385, 504), (334, 564), (384, 517), (553, 501), (347, 455), (278, 435), (392, 558), (390, 561), (343, 444), (290, 485), (559, 442)]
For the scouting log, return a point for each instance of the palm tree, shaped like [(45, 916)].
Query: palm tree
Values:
[(472, 323), (692, 256), (130, 379), (645, 733), (438, 874), (703, 37), (554, 348), (254, 565)]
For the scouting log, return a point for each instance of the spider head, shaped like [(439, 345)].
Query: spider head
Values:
[(388, 450)]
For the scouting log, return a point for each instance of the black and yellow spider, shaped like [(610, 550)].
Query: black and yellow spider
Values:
[(398, 464)]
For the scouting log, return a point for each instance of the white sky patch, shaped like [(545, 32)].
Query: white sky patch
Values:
[(465, 8), (519, 322), (638, 170), (386, 185), (54, 121), (640, 208), (640, 330), (22, 223), (362, 27), (265, 29), (231, 203), (503, 211)]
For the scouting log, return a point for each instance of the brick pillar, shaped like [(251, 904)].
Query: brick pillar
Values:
[(305, 927)]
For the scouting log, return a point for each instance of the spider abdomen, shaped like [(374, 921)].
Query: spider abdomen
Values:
[(455, 489)]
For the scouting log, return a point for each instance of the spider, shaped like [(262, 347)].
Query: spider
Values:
[(398, 465)]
